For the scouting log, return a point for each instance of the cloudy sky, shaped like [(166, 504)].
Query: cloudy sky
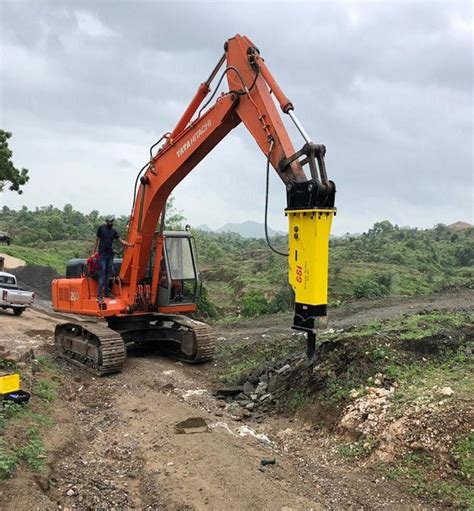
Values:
[(87, 87)]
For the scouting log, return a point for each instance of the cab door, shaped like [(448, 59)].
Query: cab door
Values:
[(179, 278)]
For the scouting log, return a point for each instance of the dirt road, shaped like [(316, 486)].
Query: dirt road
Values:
[(351, 314), (114, 444), (20, 334)]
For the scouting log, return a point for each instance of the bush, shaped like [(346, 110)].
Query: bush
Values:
[(283, 300), (254, 303), (465, 254), (205, 308), (370, 288)]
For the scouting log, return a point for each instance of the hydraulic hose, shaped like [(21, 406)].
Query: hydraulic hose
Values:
[(267, 239)]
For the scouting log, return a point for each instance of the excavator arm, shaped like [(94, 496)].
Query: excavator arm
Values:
[(310, 201), (135, 313)]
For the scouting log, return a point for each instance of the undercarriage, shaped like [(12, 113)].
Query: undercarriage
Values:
[(100, 348)]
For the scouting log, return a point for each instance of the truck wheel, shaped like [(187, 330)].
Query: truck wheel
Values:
[(18, 311)]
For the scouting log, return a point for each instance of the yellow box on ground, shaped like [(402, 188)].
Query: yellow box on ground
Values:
[(9, 383)]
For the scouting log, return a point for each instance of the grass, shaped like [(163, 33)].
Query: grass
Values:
[(421, 353), (408, 327), (415, 471), (353, 357), (464, 452), (47, 364), (358, 450), (22, 427), (298, 399), (53, 254), (46, 390), (27, 446), (31, 453), (423, 380), (8, 461)]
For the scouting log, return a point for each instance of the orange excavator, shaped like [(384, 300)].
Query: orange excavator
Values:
[(157, 280)]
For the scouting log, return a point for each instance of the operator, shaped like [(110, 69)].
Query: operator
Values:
[(106, 234)]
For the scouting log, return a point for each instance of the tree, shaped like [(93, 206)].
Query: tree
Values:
[(9, 175), (383, 227), (173, 218)]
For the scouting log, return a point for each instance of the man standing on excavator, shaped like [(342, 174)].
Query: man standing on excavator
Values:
[(106, 234)]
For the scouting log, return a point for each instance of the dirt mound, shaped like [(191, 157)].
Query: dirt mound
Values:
[(12, 262), (37, 278)]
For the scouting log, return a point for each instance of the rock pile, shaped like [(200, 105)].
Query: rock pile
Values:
[(264, 388), (363, 417)]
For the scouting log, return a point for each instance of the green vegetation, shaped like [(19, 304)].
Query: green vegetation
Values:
[(46, 390), (243, 277), (464, 452), (9, 175), (358, 450), (254, 303), (8, 461), (298, 399), (415, 471), (31, 452), (53, 254), (22, 427), (419, 351), (72, 229), (386, 261)]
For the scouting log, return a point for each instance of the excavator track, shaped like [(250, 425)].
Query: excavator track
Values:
[(204, 338), (91, 346), (201, 347)]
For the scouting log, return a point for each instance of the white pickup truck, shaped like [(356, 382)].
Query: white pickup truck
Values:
[(11, 296)]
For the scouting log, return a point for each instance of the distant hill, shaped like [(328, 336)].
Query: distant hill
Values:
[(248, 229), (458, 226), (242, 274), (204, 227)]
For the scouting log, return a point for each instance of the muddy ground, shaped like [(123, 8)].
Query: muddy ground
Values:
[(114, 444)]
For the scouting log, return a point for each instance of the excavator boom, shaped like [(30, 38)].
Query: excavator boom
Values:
[(310, 200)]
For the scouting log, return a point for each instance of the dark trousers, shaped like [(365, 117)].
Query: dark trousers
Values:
[(105, 272)]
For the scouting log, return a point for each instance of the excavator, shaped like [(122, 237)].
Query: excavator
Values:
[(158, 282)]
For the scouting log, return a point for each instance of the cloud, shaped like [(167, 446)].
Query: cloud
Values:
[(87, 87), (91, 26)]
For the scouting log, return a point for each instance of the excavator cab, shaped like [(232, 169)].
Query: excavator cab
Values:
[(179, 276)]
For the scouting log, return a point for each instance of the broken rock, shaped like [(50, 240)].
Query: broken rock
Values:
[(284, 369), (248, 388), (192, 425), (447, 391), (229, 391)]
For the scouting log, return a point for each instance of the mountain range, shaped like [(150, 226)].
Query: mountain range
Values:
[(248, 229)]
